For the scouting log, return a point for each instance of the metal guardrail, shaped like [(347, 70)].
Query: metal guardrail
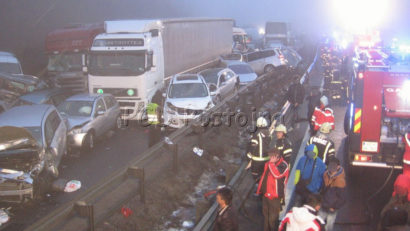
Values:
[(207, 220), (72, 213)]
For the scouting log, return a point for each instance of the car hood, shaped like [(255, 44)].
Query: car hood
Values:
[(15, 138), (191, 103), (76, 121), (247, 77)]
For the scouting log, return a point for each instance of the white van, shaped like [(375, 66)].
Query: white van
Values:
[(9, 63)]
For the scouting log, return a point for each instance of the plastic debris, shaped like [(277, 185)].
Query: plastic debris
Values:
[(198, 151), (126, 212), (72, 186), (4, 217), (168, 140), (188, 224)]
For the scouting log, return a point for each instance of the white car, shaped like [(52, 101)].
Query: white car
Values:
[(187, 97), (9, 63), (244, 71), (221, 82)]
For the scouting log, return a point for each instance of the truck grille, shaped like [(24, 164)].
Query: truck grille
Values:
[(74, 83)]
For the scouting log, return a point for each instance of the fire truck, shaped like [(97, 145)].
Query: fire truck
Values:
[(67, 51), (378, 114)]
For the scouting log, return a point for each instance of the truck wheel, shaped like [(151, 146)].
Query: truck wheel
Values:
[(346, 122), (269, 69)]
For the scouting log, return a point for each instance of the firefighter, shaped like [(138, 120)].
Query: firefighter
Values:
[(282, 143), (321, 115), (325, 146), (153, 115), (258, 150)]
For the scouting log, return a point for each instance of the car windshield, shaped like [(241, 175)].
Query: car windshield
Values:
[(65, 62), (36, 133), (11, 68), (188, 90), (211, 76), (241, 69), (76, 108), (117, 63)]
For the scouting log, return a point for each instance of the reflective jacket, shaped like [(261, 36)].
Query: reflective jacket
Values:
[(152, 113), (285, 148), (274, 179), (325, 146), (259, 146), (321, 116)]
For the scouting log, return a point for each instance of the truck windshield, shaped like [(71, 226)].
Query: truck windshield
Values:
[(11, 68), (117, 64), (188, 90), (65, 62)]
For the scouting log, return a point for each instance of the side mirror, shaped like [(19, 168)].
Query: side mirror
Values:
[(213, 93), (164, 95), (100, 113)]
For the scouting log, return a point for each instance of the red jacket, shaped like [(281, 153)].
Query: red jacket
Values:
[(321, 116), (406, 156), (277, 176), (403, 180)]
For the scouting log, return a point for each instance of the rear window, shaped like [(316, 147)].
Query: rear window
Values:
[(241, 69)]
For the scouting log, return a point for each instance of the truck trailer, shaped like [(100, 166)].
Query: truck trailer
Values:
[(134, 59), (67, 51)]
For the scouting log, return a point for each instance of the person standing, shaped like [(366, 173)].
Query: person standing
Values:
[(258, 150), (295, 96), (226, 219), (313, 102), (321, 115), (272, 186), (305, 217), (309, 174), (153, 114), (325, 146), (282, 143), (334, 192)]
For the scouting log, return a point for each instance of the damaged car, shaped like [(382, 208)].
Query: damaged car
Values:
[(32, 144)]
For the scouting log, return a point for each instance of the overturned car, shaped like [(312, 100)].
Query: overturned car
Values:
[(31, 147)]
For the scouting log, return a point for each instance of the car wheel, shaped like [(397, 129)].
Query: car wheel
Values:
[(269, 69), (89, 142)]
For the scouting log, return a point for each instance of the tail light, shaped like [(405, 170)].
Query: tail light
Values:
[(362, 158)]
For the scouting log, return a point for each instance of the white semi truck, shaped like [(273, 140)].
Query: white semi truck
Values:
[(133, 59)]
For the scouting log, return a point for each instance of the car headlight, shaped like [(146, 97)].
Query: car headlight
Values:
[(75, 131), (171, 109)]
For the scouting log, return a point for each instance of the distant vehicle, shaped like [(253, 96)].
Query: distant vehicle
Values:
[(89, 116), (68, 49), (187, 97), (32, 143), (53, 96), (261, 61), (240, 40), (135, 59), (14, 85), (277, 32), (221, 82), (244, 71), (9, 63)]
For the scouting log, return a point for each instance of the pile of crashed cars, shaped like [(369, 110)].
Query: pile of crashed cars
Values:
[(39, 124)]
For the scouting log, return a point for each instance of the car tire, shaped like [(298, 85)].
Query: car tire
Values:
[(89, 142), (269, 69)]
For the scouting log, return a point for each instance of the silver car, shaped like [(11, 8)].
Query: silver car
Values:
[(245, 72), (89, 116), (221, 82), (32, 143)]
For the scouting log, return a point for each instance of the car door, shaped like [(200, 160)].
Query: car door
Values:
[(55, 138), (100, 124), (222, 84), (252, 61), (111, 112), (231, 81)]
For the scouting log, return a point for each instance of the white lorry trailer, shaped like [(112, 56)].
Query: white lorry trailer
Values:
[(133, 59)]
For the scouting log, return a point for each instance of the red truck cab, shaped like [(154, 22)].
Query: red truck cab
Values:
[(67, 51)]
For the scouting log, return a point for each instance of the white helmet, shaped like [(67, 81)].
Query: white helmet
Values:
[(261, 122), (281, 128), (324, 100), (325, 128)]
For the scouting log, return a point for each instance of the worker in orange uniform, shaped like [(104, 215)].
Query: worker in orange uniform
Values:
[(321, 115)]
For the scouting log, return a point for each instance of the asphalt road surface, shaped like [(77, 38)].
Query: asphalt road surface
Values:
[(111, 153)]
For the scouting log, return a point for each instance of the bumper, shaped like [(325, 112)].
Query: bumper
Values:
[(76, 140), (178, 121), (375, 165)]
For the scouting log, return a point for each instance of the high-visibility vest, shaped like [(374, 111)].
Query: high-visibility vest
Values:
[(259, 146), (152, 113)]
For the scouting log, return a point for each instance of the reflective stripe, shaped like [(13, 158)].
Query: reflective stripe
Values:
[(287, 151), (406, 162), (407, 140), (260, 158)]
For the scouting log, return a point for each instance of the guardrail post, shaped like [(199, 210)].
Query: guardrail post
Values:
[(140, 174), (85, 210)]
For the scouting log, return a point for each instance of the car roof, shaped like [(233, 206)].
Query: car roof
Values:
[(39, 96), (187, 78), (86, 97), (25, 116), (233, 63)]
